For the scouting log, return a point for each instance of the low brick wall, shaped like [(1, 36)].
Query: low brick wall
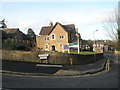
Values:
[(54, 58), (79, 59)]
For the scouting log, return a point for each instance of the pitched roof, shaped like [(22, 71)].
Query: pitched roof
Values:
[(48, 29), (11, 33), (9, 30)]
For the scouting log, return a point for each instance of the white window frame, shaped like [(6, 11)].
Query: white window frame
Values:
[(47, 49), (54, 37)]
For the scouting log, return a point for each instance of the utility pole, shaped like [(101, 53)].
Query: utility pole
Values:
[(95, 45), (78, 43)]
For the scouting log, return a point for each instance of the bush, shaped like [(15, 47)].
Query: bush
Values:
[(8, 44)]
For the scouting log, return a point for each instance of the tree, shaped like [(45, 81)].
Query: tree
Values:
[(119, 25), (31, 35), (118, 38), (88, 43), (3, 24), (112, 26)]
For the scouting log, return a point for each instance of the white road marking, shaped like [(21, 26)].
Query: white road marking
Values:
[(43, 65)]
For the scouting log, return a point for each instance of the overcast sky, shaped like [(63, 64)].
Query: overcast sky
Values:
[(87, 16)]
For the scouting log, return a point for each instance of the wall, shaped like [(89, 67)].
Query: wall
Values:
[(24, 56), (78, 59), (117, 52), (54, 58), (85, 59)]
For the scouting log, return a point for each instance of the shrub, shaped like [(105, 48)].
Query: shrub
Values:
[(8, 44)]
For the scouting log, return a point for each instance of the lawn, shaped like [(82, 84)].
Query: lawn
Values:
[(83, 52)]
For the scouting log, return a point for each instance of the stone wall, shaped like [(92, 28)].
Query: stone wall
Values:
[(54, 57), (15, 55)]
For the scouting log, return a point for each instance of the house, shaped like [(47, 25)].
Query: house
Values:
[(102, 46), (14, 34), (54, 37), (98, 47)]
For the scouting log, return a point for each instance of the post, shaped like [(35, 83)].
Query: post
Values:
[(71, 61), (95, 45), (63, 48), (78, 43), (68, 49)]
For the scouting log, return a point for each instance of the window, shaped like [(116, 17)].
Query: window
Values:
[(46, 46), (60, 45), (46, 38), (61, 37), (53, 37)]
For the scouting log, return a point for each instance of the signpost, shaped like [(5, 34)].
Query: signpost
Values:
[(74, 45)]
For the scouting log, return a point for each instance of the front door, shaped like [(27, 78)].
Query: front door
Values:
[(53, 48)]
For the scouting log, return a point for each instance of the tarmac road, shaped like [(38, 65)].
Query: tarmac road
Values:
[(27, 67), (105, 80)]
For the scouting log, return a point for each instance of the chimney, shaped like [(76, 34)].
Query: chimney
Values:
[(50, 24), (76, 29)]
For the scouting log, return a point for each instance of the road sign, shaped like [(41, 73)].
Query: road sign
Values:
[(71, 44), (66, 46)]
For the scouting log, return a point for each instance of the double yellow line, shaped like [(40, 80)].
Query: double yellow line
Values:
[(107, 68)]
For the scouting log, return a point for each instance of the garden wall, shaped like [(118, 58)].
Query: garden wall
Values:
[(85, 59), (54, 58), (25, 56)]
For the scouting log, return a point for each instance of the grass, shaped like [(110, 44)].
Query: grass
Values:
[(85, 53)]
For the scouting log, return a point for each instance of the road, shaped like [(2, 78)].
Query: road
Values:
[(105, 80)]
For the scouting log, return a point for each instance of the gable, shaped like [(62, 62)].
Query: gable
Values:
[(48, 29), (58, 29)]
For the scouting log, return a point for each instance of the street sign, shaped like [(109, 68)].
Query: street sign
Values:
[(71, 44), (66, 46)]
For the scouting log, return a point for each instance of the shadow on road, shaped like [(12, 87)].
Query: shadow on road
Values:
[(27, 67)]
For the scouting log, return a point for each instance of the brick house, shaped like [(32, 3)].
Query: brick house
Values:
[(14, 34), (53, 37)]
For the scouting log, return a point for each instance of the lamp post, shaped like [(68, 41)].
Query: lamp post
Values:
[(94, 44)]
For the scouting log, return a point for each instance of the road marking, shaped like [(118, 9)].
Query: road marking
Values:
[(107, 68), (43, 65)]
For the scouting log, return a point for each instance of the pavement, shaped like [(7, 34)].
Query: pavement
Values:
[(35, 69)]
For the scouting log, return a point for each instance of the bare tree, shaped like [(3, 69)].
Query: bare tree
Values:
[(112, 26), (119, 24)]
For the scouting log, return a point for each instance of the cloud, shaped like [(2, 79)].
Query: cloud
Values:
[(35, 19), (59, 0)]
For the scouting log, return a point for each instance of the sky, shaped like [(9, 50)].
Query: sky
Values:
[(87, 16)]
